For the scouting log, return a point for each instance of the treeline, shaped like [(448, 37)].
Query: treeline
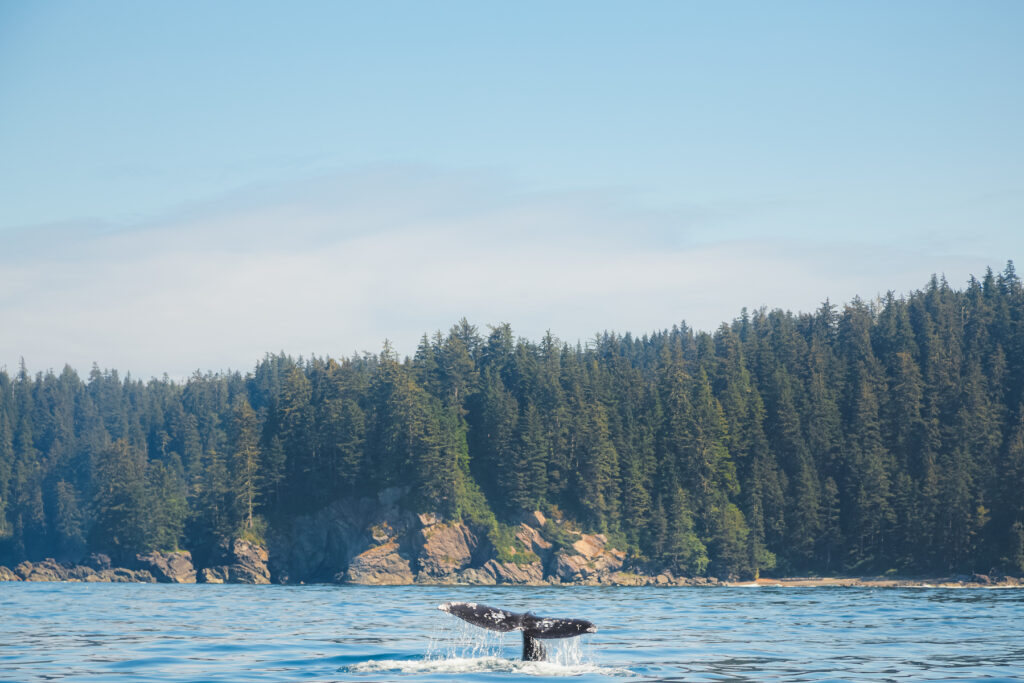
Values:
[(883, 435)]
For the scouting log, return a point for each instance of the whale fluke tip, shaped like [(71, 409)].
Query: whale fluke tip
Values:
[(534, 628)]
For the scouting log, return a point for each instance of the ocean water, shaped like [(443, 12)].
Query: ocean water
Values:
[(169, 633)]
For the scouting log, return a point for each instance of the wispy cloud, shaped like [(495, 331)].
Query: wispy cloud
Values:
[(335, 265)]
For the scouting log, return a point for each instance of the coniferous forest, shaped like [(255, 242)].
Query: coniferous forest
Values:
[(879, 435)]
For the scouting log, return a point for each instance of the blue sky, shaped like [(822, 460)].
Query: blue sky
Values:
[(189, 184)]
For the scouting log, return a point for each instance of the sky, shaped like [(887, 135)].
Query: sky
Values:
[(190, 185)]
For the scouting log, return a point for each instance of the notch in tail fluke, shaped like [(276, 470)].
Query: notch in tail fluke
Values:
[(533, 627)]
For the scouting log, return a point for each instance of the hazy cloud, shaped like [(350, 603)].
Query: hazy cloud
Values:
[(336, 264)]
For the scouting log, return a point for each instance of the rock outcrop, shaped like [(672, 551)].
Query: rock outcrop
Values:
[(378, 541), (590, 560), (443, 549), (51, 570), (534, 541), (7, 575), (214, 575), (98, 562), (375, 541), (527, 573), (121, 575), (382, 565), (241, 561), (323, 546), (168, 567), (46, 570)]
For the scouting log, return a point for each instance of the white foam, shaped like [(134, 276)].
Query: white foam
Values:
[(458, 647), (461, 665)]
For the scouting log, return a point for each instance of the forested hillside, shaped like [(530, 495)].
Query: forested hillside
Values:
[(880, 435)]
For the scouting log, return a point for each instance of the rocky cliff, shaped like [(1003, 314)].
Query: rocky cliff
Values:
[(378, 541)]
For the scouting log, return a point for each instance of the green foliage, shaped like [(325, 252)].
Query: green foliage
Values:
[(167, 497), (508, 547), (256, 532), (873, 436), (559, 537), (121, 502)]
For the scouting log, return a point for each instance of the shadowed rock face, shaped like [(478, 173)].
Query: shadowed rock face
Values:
[(376, 541), (321, 547)]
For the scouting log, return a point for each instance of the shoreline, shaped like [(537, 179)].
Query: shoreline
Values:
[(958, 581), (57, 572)]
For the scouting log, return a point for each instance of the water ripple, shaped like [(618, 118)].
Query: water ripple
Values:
[(147, 632)]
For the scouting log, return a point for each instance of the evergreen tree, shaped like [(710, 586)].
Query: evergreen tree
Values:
[(166, 492), (885, 435), (68, 522), (120, 503), (245, 460)]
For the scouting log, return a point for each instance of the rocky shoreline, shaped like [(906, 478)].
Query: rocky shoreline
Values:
[(179, 570), (378, 542), (52, 570)]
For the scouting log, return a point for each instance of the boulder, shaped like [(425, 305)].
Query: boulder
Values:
[(250, 565), (476, 577), (122, 575), (169, 567), (382, 565), (7, 575), (628, 579), (51, 570), (82, 572), (241, 561), (47, 570), (214, 574), (444, 549), (98, 562)]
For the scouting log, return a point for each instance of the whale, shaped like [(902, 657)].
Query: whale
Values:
[(534, 628)]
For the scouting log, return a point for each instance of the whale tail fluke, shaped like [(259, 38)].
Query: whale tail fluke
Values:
[(533, 627)]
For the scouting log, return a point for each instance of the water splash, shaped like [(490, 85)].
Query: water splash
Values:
[(463, 641), (462, 648), (568, 652)]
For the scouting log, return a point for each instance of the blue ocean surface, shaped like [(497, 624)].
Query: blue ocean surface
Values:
[(168, 633)]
